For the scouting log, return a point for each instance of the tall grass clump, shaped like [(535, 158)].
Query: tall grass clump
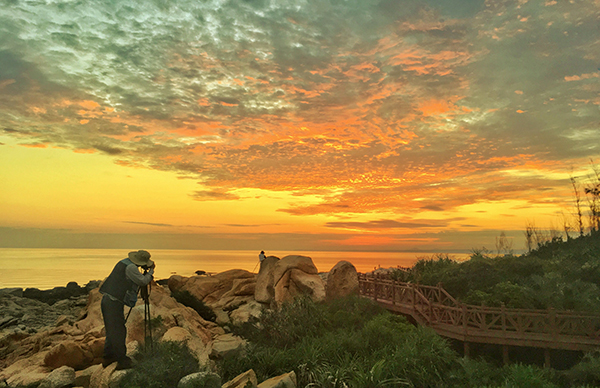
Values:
[(162, 367), (350, 343)]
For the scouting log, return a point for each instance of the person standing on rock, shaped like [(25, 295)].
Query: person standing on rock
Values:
[(120, 289), (262, 256)]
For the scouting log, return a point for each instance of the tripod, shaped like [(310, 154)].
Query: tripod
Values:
[(145, 294)]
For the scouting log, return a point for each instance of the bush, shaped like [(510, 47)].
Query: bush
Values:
[(587, 371), (424, 358), (187, 299), (161, 368)]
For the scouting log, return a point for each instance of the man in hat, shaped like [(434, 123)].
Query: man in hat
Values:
[(119, 290)]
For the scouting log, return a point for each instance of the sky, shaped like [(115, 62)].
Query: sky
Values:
[(370, 125)]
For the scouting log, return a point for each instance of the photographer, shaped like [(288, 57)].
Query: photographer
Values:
[(120, 289)]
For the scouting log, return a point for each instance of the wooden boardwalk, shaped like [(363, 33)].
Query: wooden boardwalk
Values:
[(435, 308)]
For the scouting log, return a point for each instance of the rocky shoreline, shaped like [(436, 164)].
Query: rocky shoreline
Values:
[(60, 332)]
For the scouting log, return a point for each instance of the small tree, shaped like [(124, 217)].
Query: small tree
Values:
[(503, 244), (578, 206), (593, 191)]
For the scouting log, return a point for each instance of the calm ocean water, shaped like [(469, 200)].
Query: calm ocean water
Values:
[(47, 268)]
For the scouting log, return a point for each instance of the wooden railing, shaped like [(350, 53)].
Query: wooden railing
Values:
[(434, 307)]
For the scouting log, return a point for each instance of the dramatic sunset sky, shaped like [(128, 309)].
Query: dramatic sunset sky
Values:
[(427, 125)]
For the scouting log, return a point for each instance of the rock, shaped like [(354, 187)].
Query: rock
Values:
[(100, 378), (15, 291), (31, 377), (93, 284), (243, 287), (8, 321), (341, 281), (287, 380), (69, 353), (195, 344), (222, 316), (303, 263), (227, 344), (295, 283), (200, 380), (245, 312), (62, 320), (176, 282), (264, 291), (82, 377), (245, 380), (115, 378), (57, 293), (308, 284), (210, 289), (20, 369), (59, 378)]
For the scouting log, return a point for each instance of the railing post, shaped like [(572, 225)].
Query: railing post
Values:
[(503, 319), (465, 328), (552, 323), (394, 292)]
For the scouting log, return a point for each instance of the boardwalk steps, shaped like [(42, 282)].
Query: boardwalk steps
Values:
[(434, 307)]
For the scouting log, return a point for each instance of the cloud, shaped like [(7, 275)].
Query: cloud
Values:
[(387, 224), (371, 106), (148, 223)]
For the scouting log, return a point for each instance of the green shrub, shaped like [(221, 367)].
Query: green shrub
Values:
[(187, 299), (287, 325), (587, 371), (518, 375), (424, 358), (161, 368)]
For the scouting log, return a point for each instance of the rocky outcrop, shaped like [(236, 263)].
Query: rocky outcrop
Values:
[(227, 344), (210, 289), (342, 281), (67, 341), (60, 293), (294, 276), (264, 290)]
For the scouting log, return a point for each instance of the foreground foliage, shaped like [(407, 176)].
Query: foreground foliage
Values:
[(161, 367), (352, 343)]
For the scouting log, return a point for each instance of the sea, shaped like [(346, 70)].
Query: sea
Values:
[(48, 268)]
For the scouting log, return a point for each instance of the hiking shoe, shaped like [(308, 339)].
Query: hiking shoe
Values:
[(107, 361)]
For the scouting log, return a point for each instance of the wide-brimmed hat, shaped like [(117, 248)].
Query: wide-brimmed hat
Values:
[(141, 257)]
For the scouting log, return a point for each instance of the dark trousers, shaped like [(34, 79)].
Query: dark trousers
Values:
[(116, 332)]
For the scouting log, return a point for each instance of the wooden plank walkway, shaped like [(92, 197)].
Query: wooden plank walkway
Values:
[(434, 307)]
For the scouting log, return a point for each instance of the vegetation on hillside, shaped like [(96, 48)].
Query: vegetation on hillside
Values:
[(559, 274), (352, 343)]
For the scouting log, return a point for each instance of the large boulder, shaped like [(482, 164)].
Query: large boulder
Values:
[(294, 276), (341, 281), (244, 380), (210, 289), (195, 344), (59, 378), (200, 380), (227, 344), (264, 291), (287, 380), (303, 263), (165, 313), (26, 371), (243, 314), (69, 353)]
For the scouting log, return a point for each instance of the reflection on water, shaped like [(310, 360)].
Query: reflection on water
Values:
[(47, 268)]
